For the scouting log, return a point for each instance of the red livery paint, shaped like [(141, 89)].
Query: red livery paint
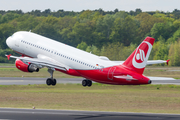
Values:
[(21, 66), (107, 76), (44, 52), (138, 59), (70, 72)]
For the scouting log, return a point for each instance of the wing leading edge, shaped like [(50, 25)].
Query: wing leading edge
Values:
[(40, 63)]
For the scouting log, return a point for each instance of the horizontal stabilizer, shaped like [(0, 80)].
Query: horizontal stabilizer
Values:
[(150, 62), (161, 78)]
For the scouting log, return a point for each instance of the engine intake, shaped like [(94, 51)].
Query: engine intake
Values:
[(24, 67)]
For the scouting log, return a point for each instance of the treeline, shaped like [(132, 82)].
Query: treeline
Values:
[(114, 34)]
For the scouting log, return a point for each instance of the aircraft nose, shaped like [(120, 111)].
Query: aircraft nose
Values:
[(9, 42)]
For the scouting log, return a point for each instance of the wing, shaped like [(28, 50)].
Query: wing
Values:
[(42, 61)]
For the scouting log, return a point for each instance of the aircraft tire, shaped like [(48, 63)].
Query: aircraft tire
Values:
[(84, 83), (89, 83), (49, 81), (54, 82)]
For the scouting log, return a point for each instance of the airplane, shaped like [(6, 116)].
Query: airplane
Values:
[(38, 52)]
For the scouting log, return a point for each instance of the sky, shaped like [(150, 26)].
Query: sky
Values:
[(79, 5)]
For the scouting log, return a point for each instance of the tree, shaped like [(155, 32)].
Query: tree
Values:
[(175, 37), (104, 26), (147, 21), (116, 10), (174, 54), (86, 14), (82, 46), (162, 51), (138, 11), (162, 29), (124, 31)]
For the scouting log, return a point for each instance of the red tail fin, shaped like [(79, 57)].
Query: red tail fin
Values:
[(138, 59)]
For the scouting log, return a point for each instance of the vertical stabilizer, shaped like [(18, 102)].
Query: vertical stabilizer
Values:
[(138, 59)]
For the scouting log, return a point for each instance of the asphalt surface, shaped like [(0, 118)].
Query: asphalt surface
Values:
[(33, 114), (26, 81)]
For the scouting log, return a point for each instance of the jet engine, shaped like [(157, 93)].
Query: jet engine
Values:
[(24, 67)]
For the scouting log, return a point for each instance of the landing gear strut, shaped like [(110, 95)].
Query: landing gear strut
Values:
[(51, 81), (86, 83)]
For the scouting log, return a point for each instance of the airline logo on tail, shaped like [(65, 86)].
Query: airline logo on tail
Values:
[(141, 55)]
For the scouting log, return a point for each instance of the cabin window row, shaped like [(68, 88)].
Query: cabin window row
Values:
[(75, 60), (37, 46)]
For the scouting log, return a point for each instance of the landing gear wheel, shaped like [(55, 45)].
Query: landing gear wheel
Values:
[(49, 81), (84, 83), (54, 82), (89, 83)]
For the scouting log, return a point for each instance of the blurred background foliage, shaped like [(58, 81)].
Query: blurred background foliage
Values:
[(114, 34)]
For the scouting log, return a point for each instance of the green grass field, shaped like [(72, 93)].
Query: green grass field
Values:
[(146, 98), (99, 97), (166, 71), (6, 64)]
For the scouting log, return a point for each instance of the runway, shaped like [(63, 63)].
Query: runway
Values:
[(33, 114), (26, 81), (38, 114)]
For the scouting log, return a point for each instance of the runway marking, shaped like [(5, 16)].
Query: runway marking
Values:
[(5, 119), (65, 112), (4, 81), (36, 112)]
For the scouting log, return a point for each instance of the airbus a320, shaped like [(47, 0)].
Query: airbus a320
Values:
[(38, 52)]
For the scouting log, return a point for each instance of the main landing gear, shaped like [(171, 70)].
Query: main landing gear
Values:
[(86, 83), (51, 81)]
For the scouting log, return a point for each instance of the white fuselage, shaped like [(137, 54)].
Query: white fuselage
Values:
[(32, 45)]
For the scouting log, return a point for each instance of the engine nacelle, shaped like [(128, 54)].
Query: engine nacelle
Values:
[(25, 68)]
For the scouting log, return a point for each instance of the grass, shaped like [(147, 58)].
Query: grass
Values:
[(99, 97), (149, 98), (166, 71), (6, 64)]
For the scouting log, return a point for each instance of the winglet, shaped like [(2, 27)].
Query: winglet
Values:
[(167, 61), (8, 56)]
